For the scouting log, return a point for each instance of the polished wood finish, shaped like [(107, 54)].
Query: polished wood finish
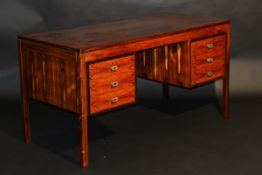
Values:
[(132, 47), (106, 35), (83, 114), (24, 94), (115, 85), (203, 73), (226, 78), (112, 100), (72, 68), (104, 69), (208, 63), (186, 64), (168, 64), (50, 75), (200, 48)]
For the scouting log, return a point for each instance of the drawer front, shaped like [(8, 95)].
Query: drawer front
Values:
[(208, 47), (207, 59), (112, 67), (208, 71), (113, 83), (112, 100)]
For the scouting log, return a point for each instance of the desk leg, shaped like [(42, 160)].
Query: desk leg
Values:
[(24, 96), (226, 80), (83, 113), (84, 140), (165, 91), (226, 97)]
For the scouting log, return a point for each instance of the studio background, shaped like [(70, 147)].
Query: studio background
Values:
[(25, 16)]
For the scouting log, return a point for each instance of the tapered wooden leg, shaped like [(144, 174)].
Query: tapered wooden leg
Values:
[(165, 92), (84, 140), (226, 98), (226, 79), (83, 112), (24, 95), (26, 119)]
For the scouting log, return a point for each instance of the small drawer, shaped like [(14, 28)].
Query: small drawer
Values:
[(214, 46), (207, 61), (113, 83), (112, 100), (112, 67)]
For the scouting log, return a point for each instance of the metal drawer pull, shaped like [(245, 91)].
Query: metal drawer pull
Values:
[(114, 100), (210, 74), (210, 45), (114, 68), (210, 60), (114, 84)]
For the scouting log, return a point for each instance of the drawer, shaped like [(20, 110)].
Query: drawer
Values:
[(112, 67), (113, 83), (208, 71), (112, 100), (208, 47), (207, 59)]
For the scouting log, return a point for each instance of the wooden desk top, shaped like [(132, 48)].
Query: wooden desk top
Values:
[(102, 35)]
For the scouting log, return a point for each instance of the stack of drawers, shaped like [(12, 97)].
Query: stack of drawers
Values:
[(112, 84), (207, 59)]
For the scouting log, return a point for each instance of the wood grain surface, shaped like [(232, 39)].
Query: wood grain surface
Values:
[(98, 36), (73, 68), (104, 85), (104, 102), (104, 69), (202, 69), (51, 75)]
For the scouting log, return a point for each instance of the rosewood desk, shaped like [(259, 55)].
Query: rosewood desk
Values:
[(92, 69)]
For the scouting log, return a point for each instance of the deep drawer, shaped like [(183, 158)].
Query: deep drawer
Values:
[(112, 100)]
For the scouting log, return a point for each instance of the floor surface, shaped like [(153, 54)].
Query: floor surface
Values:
[(185, 136), (148, 138)]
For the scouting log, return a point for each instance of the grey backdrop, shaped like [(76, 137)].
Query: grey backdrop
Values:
[(202, 144), (23, 16)]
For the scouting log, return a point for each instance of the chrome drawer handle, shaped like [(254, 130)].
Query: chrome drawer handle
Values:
[(114, 68), (210, 60), (210, 74), (210, 45), (114, 100), (114, 84)]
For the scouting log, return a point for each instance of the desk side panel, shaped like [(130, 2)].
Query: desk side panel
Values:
[(51, 74)]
